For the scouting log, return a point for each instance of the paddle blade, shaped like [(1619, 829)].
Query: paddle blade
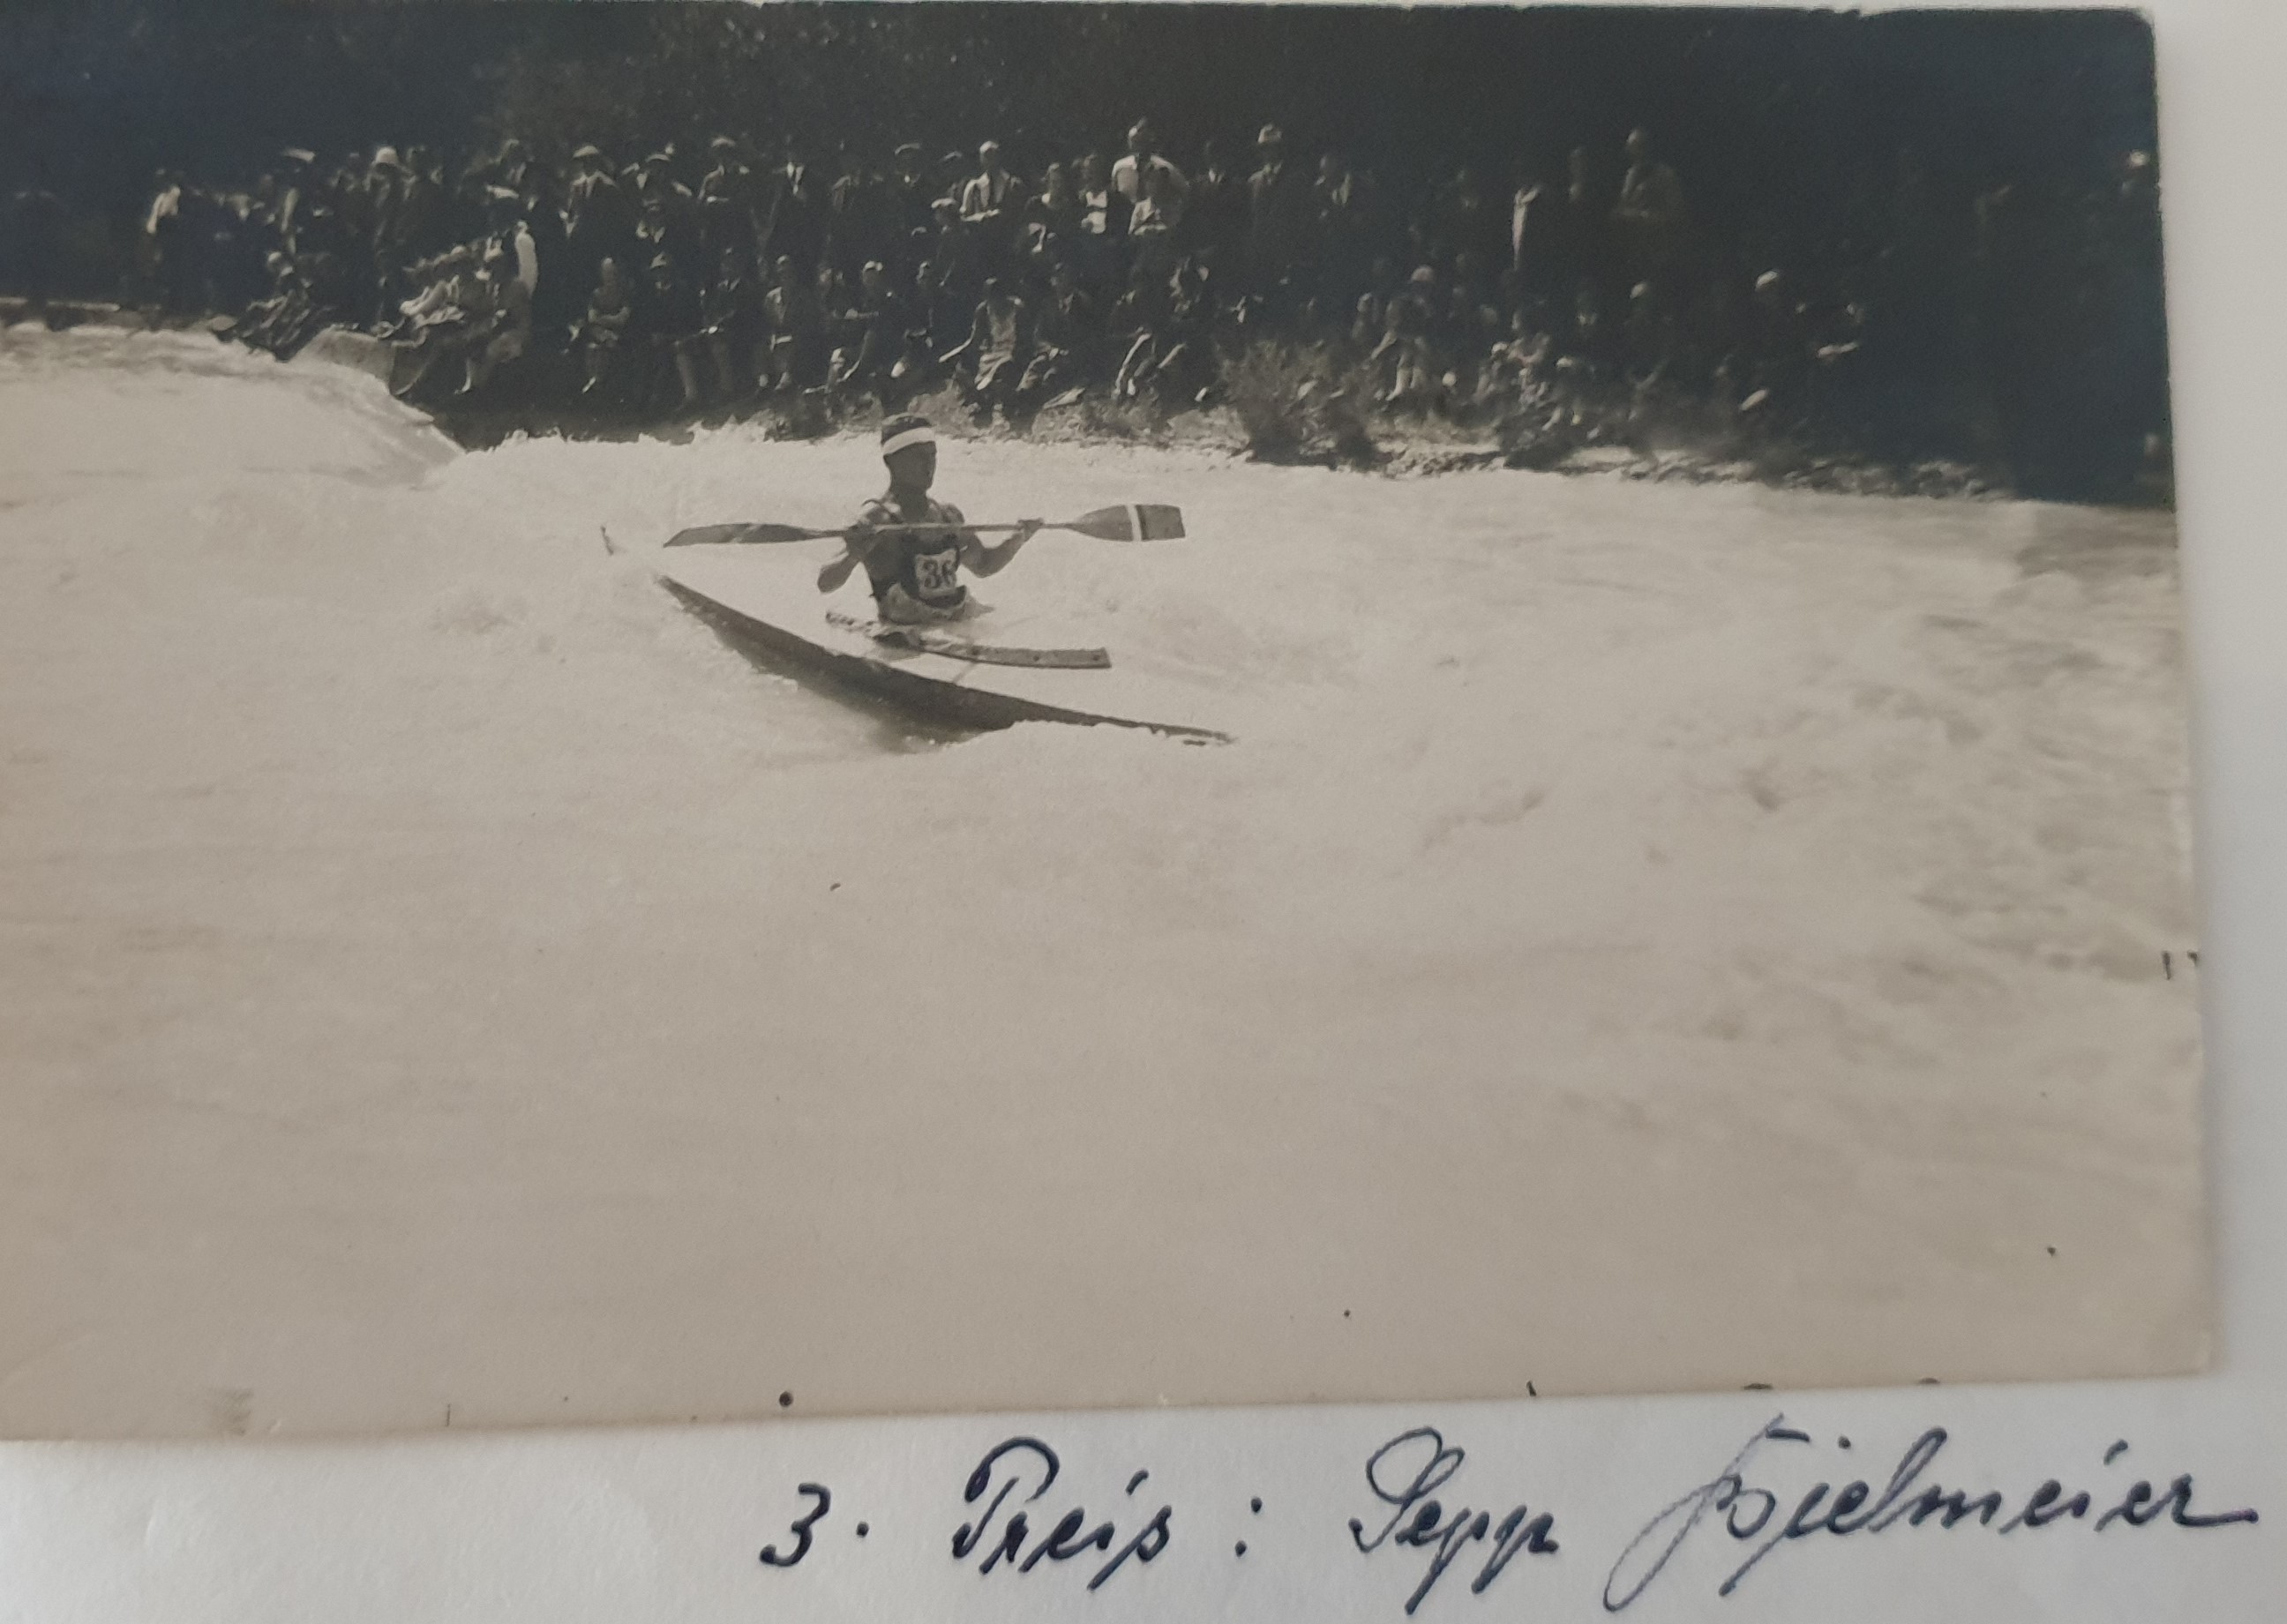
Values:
[(710, 535), (1135, 522)]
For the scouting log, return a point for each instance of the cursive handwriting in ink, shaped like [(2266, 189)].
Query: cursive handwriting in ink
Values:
[(1675, 1522), (1009, 1465), (1749, 1513), (1419, 1520), (801, 1526)]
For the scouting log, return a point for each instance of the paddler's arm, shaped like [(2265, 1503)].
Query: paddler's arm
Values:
[(982, 558), (857, 541)]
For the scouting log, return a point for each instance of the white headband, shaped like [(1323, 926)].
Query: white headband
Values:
[(920, 434)]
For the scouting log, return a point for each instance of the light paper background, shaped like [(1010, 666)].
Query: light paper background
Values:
[(643, 1525)]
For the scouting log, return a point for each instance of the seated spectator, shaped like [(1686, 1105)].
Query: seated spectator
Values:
[(1518, 371), (1650, 336), (1137, 321), (1775, 369), (1066, 338), (602, 332), (503, 331), (668, 318), (286, 318), (797, 350), (870, 329), (999, 346), (930, 318), (732, 314)]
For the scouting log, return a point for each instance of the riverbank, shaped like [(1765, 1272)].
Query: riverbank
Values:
[(1690, 448)]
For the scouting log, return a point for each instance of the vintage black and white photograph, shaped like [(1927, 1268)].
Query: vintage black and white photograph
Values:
[(715, 711)]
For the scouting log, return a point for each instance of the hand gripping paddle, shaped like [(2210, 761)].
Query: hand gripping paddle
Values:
[(1132, 522)]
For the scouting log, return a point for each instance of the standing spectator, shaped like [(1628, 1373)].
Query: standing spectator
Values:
[(952, 173), (1051, 220), (960, 266), (1547, 225), (795, 225), (728, 205), (384, 190), (297, 194), (670, 213), (1216, 212), (423, 224), (1103, 227), (557, 292), (1153, 222), (600, 222), (166, 250), (1135, 165), (907, 208), (1341, 239), (1457, 217), (857, 219), (1278, 218), (1649, 217), (989, 204)]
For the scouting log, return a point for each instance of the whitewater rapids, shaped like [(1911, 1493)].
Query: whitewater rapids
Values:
[(1642, 936)]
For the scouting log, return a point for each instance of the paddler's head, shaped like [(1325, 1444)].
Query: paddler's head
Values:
[(909, 452)]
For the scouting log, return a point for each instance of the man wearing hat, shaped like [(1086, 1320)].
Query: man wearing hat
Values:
[(989, 203), (730, 204), (600, 222), (794, 221), (916, 574), (911, 194), (1279, 220)]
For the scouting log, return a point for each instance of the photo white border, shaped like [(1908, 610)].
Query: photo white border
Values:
[(624, 1524)]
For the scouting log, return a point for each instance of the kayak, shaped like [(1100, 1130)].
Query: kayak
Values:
[(999, 666)]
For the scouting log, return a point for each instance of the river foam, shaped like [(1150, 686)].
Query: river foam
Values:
[(1725, 926)]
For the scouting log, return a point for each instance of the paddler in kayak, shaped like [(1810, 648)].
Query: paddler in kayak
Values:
[(916, 574)]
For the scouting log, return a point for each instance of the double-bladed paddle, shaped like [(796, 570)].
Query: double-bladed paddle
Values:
[(1132, 521)]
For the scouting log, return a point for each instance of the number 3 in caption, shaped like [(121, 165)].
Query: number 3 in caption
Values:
[(801, 1526)]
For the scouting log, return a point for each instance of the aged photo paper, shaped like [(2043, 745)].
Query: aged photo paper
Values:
[(715, 712)]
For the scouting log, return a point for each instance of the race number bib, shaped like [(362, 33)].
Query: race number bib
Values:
[(936, 575)]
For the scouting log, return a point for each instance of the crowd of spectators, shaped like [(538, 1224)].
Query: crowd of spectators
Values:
[(705, 278)]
